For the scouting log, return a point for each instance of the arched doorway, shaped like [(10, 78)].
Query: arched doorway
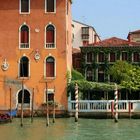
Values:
[(27, 99)]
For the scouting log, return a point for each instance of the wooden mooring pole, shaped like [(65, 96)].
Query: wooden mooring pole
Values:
[(22, 102), (10, 104), (54, 106), (32, 111), (116, 104), (47, 106), (76, 104)]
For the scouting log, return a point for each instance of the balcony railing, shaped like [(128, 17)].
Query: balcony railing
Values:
[(105, 106), (24, 45), (50, 45)]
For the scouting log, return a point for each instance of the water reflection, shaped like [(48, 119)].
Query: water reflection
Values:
[(67, 129)]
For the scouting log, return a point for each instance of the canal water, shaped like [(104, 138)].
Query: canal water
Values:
[(67, 129)]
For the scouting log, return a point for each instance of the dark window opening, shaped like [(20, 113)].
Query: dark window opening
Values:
[(50, 97), (89, 57), (24, 5), (124, 56), (136, 57), (101, 75), (50, 4), (24, 67), (101, 57), (112, 57), (50, 68), (26, 97)]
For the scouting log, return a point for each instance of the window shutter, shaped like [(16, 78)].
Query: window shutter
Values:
[(50, 37), (26, 37), (50, 69)]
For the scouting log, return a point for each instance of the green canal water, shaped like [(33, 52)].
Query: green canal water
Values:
[(67, 129)]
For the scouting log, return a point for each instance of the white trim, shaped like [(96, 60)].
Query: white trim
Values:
[(54, 68), (24, 24), (49, 91), (22, 13), (19, 67), (54, 8), (54, 36)]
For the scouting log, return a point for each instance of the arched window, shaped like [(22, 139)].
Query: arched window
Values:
[(50, 36), (24, 37), (26, 97), (24, 67), (50, 67)]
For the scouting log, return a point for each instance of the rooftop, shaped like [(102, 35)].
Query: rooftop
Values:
[(115, 42)]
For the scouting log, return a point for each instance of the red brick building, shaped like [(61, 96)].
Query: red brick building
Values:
[(35, 47)]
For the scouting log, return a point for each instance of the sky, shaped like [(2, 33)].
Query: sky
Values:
[(110, 18)]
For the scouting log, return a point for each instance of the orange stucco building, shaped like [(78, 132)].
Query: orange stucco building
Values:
[(35, 48)]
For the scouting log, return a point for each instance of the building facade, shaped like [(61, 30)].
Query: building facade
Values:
[(97, 58), (83, 34), (35, 52), (134, 36)]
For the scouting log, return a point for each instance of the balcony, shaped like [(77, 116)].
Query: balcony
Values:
[(50, 45), (24, 45)]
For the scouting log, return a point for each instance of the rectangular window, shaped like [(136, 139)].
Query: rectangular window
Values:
[(50, 95), (101, 57), (85, 32), (89, 75), (50, 70), (24, 6), (100, 74), (89, 57), (135, 57), (112, 57), (50, 5), (124, 56)]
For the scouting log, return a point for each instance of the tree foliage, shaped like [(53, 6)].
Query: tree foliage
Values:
[(126, 75), (77, 75)]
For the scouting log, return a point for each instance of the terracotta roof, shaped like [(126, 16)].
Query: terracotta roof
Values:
[(114, 42), (75, 50)]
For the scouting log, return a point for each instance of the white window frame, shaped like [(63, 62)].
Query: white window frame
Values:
[(49, 91), (24, 24), (54, 36), (54, 7), (45, 77), (20, 12)]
